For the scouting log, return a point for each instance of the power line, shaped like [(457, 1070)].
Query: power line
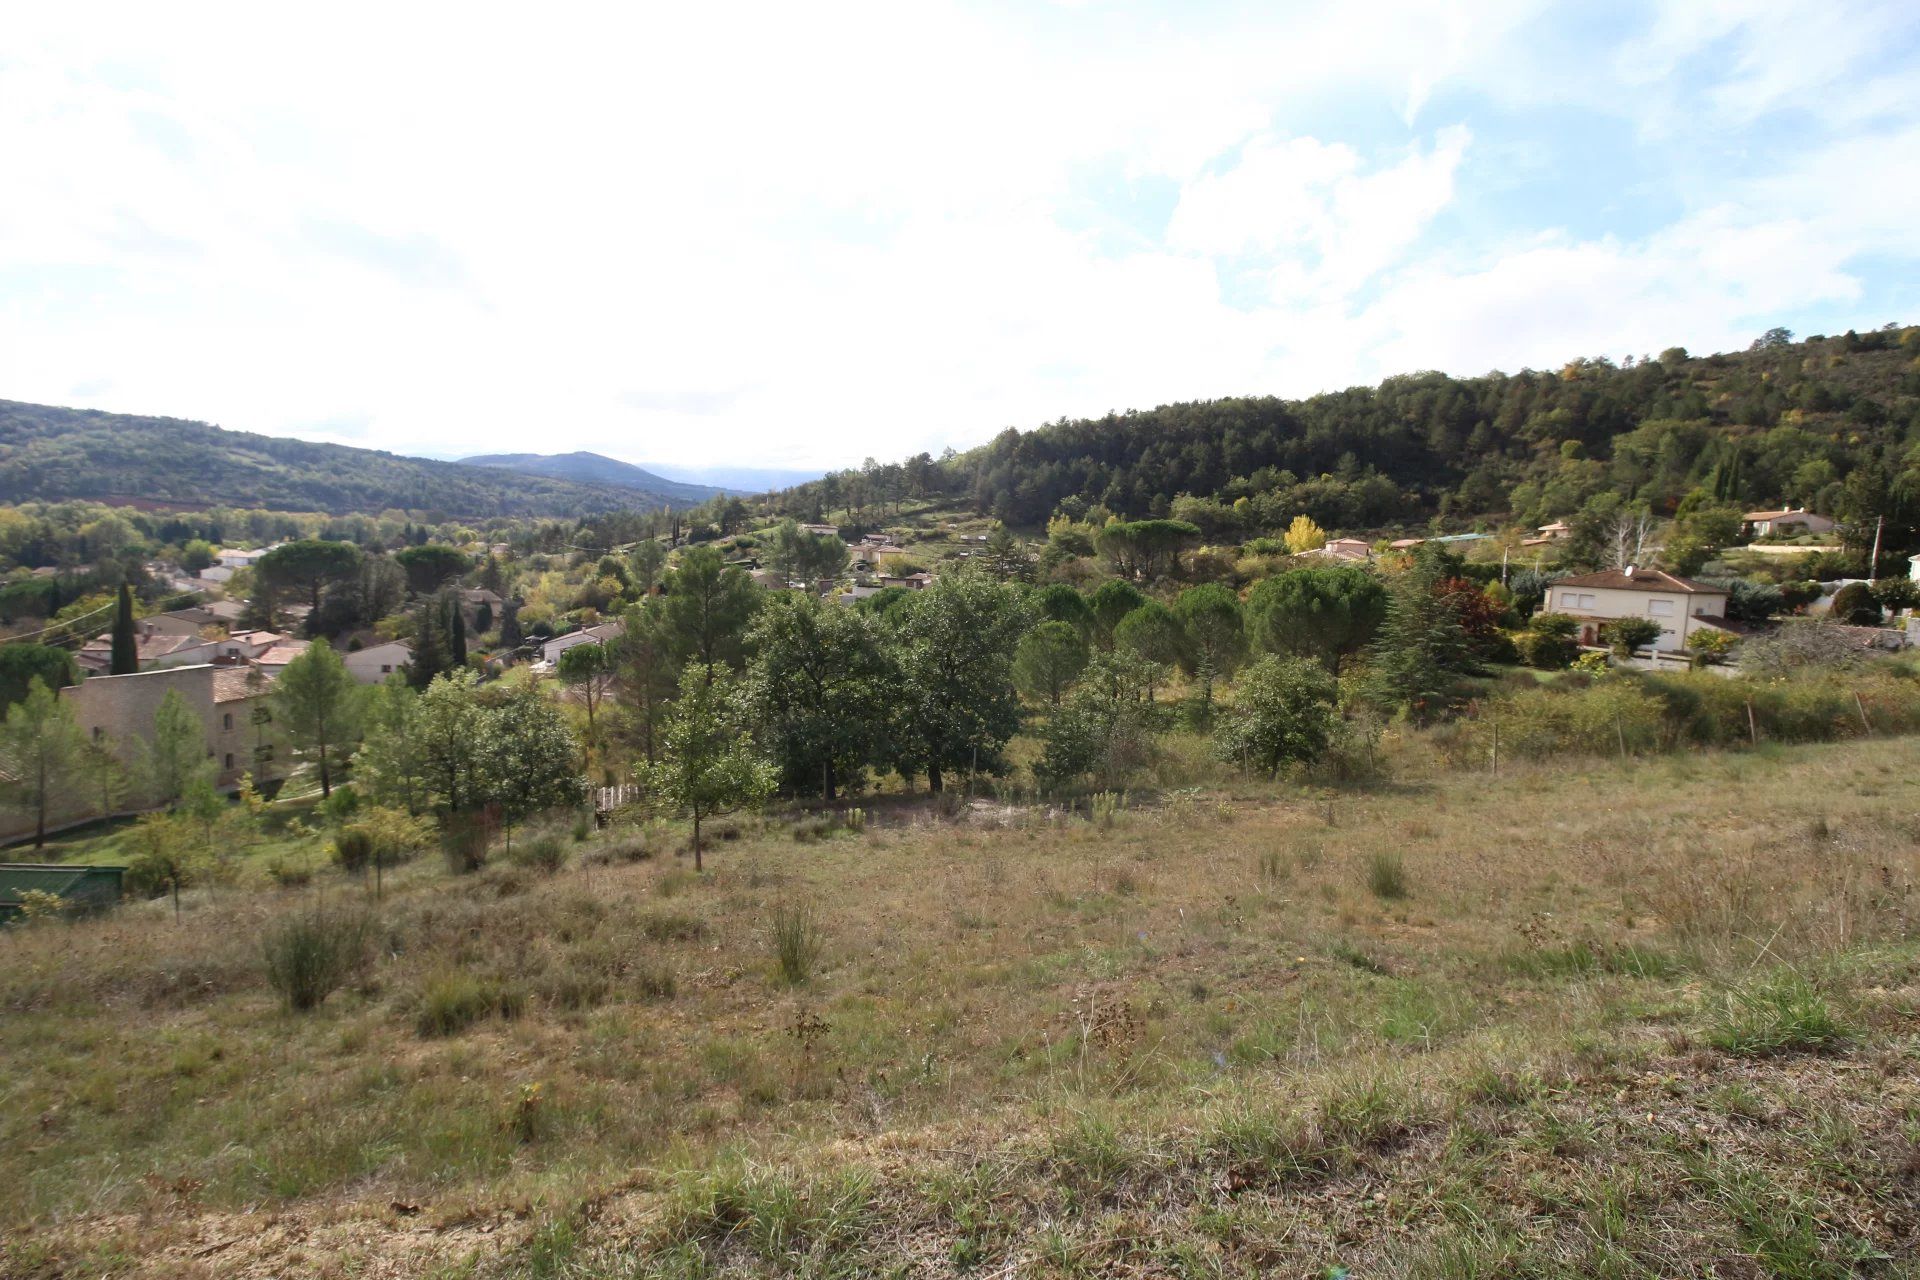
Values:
[(58, 625)]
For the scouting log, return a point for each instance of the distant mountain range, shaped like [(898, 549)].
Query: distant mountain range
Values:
[(597, 468), (53, 454)]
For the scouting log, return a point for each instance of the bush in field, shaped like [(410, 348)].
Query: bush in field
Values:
[(1283, 712), (1548, 642), (309, 955), (541, 853), (353, 847), (1709, 645), (1854, 605)]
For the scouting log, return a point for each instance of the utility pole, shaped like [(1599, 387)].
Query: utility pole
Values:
[(1873, 565)]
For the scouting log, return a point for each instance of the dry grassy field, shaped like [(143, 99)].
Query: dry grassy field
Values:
[(1587, 1019)]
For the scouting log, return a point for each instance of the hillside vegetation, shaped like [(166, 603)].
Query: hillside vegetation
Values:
[(1636, 1019), (54, 454), (1828, 423)]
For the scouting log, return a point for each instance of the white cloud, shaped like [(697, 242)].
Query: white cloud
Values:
[(805, 235)]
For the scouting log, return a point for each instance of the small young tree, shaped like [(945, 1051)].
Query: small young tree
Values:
[(1304, 535), (1283, 712), (389, 766), (319, 706), (709, 763), (587, 669), (164, 858), (176, 755), (1422, 646), (1153, 633), (1628, 634), (1049, 659), (45, 751), (1216, 636)]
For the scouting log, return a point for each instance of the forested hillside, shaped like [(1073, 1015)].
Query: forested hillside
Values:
[(56, 454), (1829, 423)]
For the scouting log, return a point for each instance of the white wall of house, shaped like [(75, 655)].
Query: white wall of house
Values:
[(1675, 611), (375, 663)]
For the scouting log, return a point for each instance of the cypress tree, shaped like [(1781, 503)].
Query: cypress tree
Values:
[(458, 630), (125, 659)]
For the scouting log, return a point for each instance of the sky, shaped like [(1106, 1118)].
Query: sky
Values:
[(799, 236)]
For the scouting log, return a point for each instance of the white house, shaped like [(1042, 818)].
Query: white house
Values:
[(1780, 524), (1347, 549), (1680, 605), (376, 662), (550, 651)]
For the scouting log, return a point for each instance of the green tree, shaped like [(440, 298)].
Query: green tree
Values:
[(709, 604), (318, 704), (447, 729), (431, 567), (1283, 712), (45, 752), (456, 632), (528, 759), (1049, 659), (1110, 602), (709, 765), (21, 664), (1216, 636), (432, 646), (1153, 633), (822, 689), (196, 554), (307, 568), (1422, 647), (176, 755), (1059, 602), (645, 676), (1106, 728), (1628, 634), (587, 670), (957, 639), (125, 658), (390, 765), (649, 559), (1325, 612)]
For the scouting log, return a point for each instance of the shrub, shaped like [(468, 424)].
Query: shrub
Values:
[(1386, 875), (545, 854), (1854, 605), (339, 806), (1283, 712), (796, 941), (1628, 634), (1779, 1013), (464, 838), (309, 955), (353, 849)]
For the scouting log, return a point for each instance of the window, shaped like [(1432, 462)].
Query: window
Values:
[(99, 734), (226, 723), (1582, 601), (1568, 600), (1660, 608), (386, 668), (229, 759)]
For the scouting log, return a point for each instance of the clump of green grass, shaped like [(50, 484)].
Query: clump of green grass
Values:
[(310, 954), (796, 941), (1358, 957), (545, 854), (1780, 1012), (1587, 959), (672, 926), (452, 1002), (1386, 875)]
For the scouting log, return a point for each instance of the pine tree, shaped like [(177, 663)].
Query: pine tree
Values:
[(1421, 646), (46, 751), (125, 659), (430, 657)]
